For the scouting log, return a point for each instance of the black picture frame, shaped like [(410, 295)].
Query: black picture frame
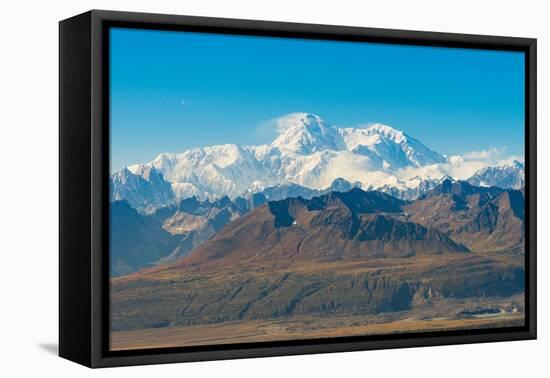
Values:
[(84, 192)]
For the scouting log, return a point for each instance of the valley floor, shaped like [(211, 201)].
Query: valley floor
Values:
[(447, 314)]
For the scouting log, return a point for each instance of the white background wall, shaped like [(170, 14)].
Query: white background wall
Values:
[(29, 174)]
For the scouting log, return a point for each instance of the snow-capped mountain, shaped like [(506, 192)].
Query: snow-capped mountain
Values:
[(389, 147), (307, 153), (307, 134), (144, 188), (383, 145), (212, 172), (510, 175)]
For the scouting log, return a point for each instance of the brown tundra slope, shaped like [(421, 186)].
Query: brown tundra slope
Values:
[(353, 253), (483, 219)]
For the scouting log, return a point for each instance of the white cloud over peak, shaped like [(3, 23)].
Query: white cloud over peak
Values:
[(461, 167)]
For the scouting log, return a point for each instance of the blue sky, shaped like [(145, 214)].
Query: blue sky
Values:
[(171, 91)]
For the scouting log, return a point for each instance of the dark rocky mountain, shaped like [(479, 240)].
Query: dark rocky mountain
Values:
[(355, 224), (486, 219), (360, 202), (245, 204), (498, 226), (291, 190)]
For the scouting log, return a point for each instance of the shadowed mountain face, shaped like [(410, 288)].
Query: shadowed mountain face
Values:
[(484, 219), (359, 202), (291, 190), (140, 240), (136, 240), (196, 221), (356, 201)]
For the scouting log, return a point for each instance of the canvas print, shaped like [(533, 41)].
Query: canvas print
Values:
[(272, 189)]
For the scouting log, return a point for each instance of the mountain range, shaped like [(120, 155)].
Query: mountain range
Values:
[(331, 227), (341, 254), (454, 216), (508, 175), (141, 240), (307, 158)]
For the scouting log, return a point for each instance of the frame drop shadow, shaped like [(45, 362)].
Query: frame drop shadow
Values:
[(52, 348)]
